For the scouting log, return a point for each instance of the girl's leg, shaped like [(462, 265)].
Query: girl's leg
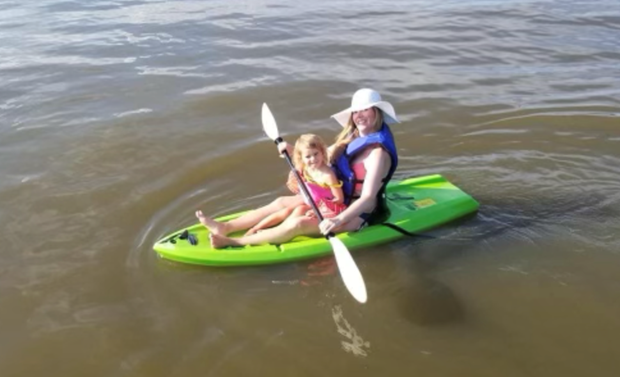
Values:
[(289, 229), (248, 219), (301, 210), (271, 220)]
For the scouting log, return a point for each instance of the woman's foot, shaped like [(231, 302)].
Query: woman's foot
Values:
[(218, 241), (215, 227)]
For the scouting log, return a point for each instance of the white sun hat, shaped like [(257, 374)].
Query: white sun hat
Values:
[(364, 99)]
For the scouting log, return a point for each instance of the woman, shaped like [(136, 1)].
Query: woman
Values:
[(365, 158)]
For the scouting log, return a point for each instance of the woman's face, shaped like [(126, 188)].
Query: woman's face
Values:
[(365, 120)]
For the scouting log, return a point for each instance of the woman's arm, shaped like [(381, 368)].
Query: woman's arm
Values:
[(377, 165)]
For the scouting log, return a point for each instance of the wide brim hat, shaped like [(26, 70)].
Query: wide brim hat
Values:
[(364, 99)]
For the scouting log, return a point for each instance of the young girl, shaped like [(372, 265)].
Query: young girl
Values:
[(310, 160)]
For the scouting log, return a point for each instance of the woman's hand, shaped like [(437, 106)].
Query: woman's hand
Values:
[(328, 225)]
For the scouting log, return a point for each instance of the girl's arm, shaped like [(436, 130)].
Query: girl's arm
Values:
[(284, 146), (335, 186), (292, 183)]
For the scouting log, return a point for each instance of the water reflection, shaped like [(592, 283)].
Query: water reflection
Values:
[(418, 295)]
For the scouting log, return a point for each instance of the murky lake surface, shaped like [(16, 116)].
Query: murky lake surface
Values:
[(119, 118)]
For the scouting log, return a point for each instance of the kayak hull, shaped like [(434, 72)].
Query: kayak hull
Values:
[(416, 204)]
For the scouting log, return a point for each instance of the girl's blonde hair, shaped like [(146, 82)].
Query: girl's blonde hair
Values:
[(350, 133), (308, 141)]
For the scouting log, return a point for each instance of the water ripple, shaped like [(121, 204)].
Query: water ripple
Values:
[(119, 118)]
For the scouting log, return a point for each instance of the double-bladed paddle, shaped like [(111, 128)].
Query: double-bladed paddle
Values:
[(349, 272)]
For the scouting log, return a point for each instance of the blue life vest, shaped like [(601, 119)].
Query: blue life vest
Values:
[(343, 163)]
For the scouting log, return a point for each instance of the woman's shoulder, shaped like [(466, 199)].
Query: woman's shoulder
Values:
[(376, 147), (377, 157), (374, 151)]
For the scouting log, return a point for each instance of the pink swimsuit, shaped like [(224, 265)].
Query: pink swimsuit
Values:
[(322, 196)]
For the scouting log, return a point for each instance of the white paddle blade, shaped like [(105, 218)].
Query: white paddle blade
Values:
[(269, 123), (351, 275)]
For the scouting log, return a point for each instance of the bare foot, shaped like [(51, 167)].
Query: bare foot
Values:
[(215, 227), (218, 241)]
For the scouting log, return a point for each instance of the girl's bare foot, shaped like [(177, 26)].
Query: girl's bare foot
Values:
[(215, 227), (218, 241)]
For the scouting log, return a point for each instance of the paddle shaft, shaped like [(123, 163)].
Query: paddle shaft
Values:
[(351, 275), (302, 184)]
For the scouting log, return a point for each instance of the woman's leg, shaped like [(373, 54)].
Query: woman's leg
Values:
[(271, 220), (248, 219), (289, 229)]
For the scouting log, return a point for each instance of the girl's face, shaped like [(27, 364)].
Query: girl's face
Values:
[(365, 120), (311, 157)]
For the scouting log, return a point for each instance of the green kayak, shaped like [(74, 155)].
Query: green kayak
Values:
[(416, 204)]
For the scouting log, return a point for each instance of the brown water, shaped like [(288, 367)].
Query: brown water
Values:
[(119, 118)]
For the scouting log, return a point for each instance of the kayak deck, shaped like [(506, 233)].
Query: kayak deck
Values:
[(415, 204)]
